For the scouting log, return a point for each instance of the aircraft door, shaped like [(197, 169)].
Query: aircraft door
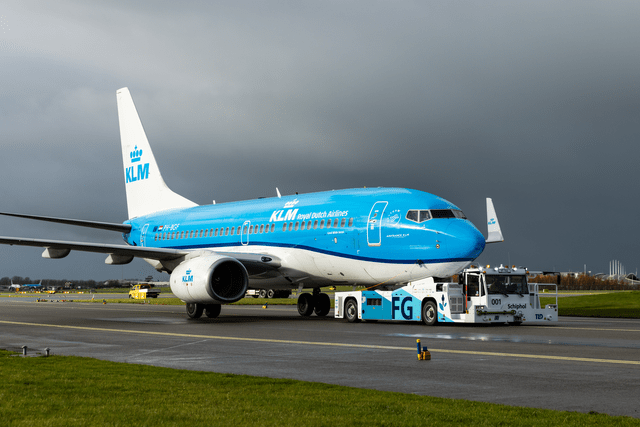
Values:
[(244, 233), (142, 234), (374, 224)]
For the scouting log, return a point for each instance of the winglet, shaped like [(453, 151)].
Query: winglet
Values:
[(494, 234)]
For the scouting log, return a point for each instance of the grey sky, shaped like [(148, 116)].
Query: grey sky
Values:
[(535, 104)]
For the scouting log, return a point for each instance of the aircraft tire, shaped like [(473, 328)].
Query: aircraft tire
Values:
[(263, 293), (271, 293), (212, 310), (351, 311), (305, 304), (194, 311), (322, 305), (429, 313)]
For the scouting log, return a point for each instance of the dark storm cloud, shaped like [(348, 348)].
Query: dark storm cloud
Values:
[(534, 104)]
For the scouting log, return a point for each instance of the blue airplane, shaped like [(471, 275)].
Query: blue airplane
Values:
[(367, 236)]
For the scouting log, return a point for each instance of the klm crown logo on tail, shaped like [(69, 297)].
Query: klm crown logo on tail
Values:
[(134, 174)]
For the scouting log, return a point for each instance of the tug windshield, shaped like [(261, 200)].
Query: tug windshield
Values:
[(503, 284)]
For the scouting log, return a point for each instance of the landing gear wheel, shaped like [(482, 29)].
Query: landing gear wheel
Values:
[(429, 313), (194, 310), (212, 311), (305, 304), (271, 293), (351, 311), (323, 305), (263, 293)]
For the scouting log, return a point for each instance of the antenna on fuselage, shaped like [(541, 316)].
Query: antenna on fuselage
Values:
[(278, 193)]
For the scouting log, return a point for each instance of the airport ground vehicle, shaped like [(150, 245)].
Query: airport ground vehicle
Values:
[(143, 291), (481, 295)]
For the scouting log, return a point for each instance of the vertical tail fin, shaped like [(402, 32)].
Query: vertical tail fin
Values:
[(494, 234), (146, 190)]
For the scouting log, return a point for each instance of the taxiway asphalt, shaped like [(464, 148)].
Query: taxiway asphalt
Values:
[(576, 364)]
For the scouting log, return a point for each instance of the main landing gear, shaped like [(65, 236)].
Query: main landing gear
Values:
[(194, 311), (318, 303)]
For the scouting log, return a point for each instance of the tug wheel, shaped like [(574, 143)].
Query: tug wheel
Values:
[(351, 311), (429, 313)]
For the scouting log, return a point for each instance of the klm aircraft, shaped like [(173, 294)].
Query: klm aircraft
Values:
[(214, 253)]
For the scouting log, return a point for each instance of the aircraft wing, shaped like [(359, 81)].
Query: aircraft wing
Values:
[(123, 254), (60, 248)]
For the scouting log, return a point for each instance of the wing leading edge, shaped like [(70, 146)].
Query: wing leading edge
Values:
[(123, 254)]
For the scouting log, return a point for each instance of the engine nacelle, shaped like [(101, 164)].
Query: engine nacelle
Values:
[(210, 279)]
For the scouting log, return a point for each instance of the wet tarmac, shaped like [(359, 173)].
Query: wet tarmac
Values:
[(576, 364)]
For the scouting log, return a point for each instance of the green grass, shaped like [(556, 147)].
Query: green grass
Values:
[(74, 391), (616, 304)]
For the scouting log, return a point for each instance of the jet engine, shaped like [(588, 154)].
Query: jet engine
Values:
[(210, 279)]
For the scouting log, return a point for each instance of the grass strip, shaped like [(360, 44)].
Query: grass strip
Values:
[(618, 304), (76, 391)]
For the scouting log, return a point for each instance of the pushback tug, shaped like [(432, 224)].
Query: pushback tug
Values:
[(481, 295)]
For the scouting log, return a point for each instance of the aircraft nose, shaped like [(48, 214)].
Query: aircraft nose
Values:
[(463, 241)]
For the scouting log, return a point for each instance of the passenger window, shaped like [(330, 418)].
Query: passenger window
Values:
[(328, 223), (297, 225), (322, 224), (350, 222), (226, 232), (284, 227), (273, 227), (216, 232), (335, 223), (261, 228), (290, 226), (233, 231), (343, 222)]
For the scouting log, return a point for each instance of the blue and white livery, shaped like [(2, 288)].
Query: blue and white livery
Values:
[(214, 253)]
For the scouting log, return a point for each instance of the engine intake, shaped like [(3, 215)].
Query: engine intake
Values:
[(210, 279)]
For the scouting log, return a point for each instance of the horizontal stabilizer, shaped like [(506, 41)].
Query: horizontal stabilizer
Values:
[(494, 234), (122, 228)]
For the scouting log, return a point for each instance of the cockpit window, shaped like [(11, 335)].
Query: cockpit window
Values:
[(419, 216), (459, 214), (442, 213)]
